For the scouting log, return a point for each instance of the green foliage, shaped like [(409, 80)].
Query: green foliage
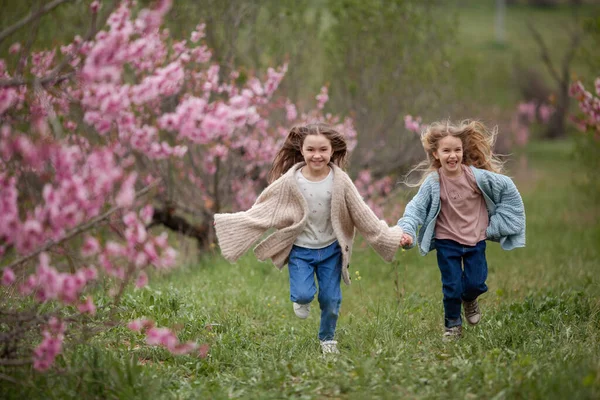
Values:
[(387, 59)]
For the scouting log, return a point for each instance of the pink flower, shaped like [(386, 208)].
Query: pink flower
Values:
[(15, 48), (184, 348), (203, 350), (412, 124), (8, 98), (155, 336), (146, 213), (114, 249), (142, 280), (90, 247), (8, 277), (291, 113), (126, 195), (45, 353), (322, 98), (95, 6), (135, 325), (88, 306)]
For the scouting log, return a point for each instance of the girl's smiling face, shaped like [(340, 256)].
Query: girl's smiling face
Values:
[(317, 152), (450, 154)]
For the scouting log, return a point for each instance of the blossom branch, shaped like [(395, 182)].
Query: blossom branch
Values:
[(79, 229)]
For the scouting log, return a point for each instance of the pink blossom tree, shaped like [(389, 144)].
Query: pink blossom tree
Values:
[(101, 139), (588, 141)]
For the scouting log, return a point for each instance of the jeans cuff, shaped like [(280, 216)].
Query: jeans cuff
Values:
[(449, 323)]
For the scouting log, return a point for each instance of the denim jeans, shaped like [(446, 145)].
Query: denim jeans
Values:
[(326, 264), (460, 283)]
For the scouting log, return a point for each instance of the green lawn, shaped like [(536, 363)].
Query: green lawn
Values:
[(539, 337)]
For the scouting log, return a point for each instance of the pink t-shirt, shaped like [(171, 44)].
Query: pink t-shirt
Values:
[(463, 216)]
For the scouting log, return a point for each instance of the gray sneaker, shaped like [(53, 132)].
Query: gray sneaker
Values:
[(472, 313), (452, 333), (302, 310)]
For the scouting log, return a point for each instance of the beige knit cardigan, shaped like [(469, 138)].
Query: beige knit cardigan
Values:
[(281, 206)]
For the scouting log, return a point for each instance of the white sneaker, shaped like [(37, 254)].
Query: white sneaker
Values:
[(329, 347), (302, 310)]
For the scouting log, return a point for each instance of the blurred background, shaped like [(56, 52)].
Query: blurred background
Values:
[(506, 62)]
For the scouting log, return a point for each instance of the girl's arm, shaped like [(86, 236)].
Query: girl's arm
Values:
[(509, 216), (416, 212), (383, 238), (237, 232)]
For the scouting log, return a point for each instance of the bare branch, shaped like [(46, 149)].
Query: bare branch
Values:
[(575, 41), (8, 378), (15, 362), (43, 81), (545, 53), (80, 229), (27, 48), (32, 16), (43, 99)]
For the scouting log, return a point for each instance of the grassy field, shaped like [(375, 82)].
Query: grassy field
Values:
[(539, 337)]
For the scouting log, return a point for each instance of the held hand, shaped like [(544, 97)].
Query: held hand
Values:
[(406, 240)]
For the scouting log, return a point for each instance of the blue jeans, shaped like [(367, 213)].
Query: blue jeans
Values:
[(460, 283), (326, 263)]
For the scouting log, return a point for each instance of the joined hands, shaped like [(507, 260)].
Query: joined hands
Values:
[(406, 240)]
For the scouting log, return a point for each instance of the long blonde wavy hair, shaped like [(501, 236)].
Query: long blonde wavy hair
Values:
[(477, 141)]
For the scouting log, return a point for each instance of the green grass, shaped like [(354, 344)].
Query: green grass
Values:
[(539, 337)]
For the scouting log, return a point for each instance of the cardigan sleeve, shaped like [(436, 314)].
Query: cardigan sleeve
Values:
[(415, 212), (384, 239), (237, 232), (509, 216)]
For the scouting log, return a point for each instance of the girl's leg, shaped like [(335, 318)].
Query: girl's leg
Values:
[(329, 273), (302, 275), (475, 273), (449, 256)]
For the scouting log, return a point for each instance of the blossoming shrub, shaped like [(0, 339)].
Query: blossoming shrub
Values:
[(588, 123)]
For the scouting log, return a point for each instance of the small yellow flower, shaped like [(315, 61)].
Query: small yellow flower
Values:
[(403, 250), (357, 273), (359, 278)]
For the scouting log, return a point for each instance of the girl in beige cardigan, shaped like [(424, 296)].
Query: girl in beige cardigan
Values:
[(314, 208)]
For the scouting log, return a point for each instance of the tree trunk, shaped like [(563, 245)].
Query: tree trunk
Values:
[(557, 124), (500, 16)]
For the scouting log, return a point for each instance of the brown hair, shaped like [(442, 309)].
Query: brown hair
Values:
[(290, 153), (477, 141)]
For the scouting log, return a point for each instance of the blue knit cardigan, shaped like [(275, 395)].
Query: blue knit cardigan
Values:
[(503, 201)]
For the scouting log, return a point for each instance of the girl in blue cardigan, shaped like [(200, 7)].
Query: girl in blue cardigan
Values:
[(463, 200)]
